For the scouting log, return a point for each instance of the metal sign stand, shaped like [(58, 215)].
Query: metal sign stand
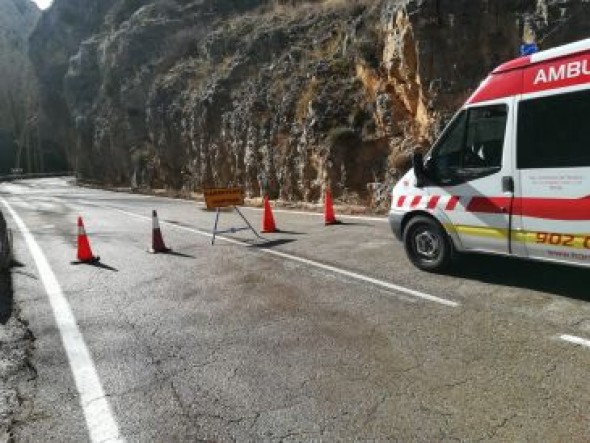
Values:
[(232, 230)]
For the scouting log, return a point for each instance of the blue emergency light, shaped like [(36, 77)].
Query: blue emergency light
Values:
[(528, 49)]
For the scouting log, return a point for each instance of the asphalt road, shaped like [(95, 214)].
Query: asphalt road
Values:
[(323, 333)]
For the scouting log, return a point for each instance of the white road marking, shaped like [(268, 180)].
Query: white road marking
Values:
[(320, 214), (309, 213), (23, 204), (274, 210), (252, 208), (371, 280), (575, 340), (354, 275), (100, 420)]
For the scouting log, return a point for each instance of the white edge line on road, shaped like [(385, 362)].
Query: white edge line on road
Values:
[(100, 420), (274, 210), (352, 217), (575, 340), (253, 208), (313, 263)]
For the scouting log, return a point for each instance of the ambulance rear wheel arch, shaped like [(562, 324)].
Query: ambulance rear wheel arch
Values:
[(428, 245)]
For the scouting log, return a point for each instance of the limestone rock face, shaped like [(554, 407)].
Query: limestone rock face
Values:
[(17, 91), (292, 95)]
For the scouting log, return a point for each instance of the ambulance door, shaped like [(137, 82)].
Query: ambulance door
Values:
[(471, 168), (553, 160)]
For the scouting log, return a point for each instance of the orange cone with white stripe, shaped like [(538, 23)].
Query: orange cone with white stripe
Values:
[(158, 245), (329, 216), (268, 220), (85, 254)]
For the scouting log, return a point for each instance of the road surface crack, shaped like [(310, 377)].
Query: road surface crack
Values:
[(176, 395), (497, 428)]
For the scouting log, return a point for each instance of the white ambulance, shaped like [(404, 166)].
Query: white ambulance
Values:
[(510, 175)]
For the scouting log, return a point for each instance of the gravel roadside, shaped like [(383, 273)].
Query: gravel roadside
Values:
[(17, 376)]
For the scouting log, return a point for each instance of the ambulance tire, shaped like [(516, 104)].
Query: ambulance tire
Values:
[(427, 244)]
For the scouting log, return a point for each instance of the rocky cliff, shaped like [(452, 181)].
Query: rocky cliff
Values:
[(17, 89), (290, 95)]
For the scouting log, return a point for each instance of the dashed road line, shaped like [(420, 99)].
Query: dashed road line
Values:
[(100, 420), (575, 340), (353, 275)]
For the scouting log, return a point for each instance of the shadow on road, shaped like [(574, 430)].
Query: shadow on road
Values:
[(6, 262), (272, 243), (280, 231), (348, 223), (104, 266), (6, 297), (556, 279), (97, 264), (177, 254)]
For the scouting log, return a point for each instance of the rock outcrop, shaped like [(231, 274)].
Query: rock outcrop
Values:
[(17, 376), (291, 96), (17, 88)]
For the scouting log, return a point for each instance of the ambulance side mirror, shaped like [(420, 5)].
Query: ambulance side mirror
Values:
[(419, 169)]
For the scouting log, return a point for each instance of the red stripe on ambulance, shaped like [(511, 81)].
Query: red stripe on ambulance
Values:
[(557, 74), (486, 205), (505, 84), (433, 203), (452, 204), (553, 208), (525, 76), (544, 208)]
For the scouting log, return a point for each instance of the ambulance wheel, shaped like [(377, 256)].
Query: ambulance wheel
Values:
[(427, 245)]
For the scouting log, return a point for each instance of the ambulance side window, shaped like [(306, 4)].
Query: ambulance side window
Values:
[(472, 146), (554, 131)]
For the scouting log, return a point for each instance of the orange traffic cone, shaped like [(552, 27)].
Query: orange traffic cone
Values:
[(158, 245), (329, 217), (85, 254), (268, 220)]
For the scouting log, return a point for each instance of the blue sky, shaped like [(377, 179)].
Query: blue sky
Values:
[(43, 4)]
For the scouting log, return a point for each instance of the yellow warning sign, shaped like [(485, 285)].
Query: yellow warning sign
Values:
[(224, 197)]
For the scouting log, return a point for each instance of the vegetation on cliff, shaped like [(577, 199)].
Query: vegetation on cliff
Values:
[(299, 94)]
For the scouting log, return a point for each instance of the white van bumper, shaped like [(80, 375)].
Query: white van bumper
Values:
[(395, 222)]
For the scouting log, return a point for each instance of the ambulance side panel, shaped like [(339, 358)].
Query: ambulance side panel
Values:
[(552, 205)]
